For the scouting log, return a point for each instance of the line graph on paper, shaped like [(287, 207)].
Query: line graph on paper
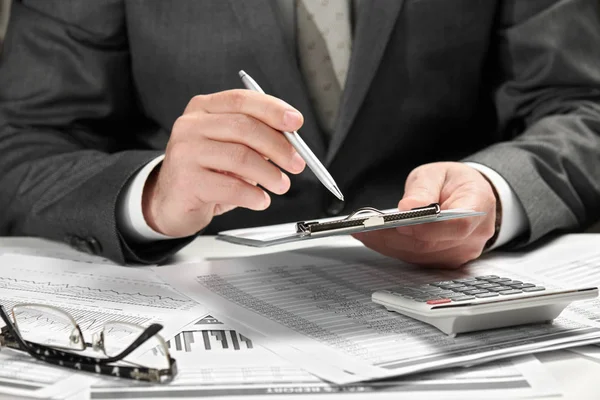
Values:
[(94, 288), (89, 320)]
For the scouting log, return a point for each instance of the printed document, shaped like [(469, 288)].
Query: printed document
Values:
[(321, 307), (93, 294), (216, 360), (569, 260)]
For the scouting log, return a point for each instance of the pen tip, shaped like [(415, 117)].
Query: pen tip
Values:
[(242, 73)]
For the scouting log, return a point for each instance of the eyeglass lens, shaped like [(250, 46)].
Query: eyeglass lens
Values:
[(47, 326), (117, 336)]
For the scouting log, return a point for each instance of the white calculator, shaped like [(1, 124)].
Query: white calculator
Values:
[(478, 303)]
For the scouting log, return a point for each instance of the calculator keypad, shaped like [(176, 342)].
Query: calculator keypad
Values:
[(458, 290)]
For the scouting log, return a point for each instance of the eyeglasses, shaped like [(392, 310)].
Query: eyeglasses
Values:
[(51, 335)]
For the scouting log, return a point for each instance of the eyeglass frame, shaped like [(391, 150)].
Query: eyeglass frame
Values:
[(10, 337)]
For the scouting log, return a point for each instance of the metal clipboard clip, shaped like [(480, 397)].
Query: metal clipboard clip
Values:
[(366, 218)]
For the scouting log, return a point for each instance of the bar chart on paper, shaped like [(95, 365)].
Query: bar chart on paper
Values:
[(209, 340)]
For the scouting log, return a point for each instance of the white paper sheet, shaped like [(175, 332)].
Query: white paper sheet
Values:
[(47, 248), (216, 360), (20, 376), (569, 260), (322, 308), (93, 294)]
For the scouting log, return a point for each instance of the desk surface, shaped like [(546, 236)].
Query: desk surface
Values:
[(577, 376)]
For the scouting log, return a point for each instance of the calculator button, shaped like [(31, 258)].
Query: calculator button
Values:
[(472, 292), (442, 283), (499, 280), (453, 286), (421, 299), (499, 288), (488, 294), (512, 291), (455, 295), (445, 293), (534, 289), (465, 288), (463, 298), (465, 280), (522, 286), (433, 289), (511, 283), (438, 301), (425, 287), (485, 285)]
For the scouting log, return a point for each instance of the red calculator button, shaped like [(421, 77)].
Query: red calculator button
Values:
[(438, 301)]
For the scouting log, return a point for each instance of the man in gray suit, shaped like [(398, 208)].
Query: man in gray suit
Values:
[(122, 133), (4, 12)]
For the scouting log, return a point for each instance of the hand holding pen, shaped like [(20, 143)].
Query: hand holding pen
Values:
[(305, 152), (221, 149)]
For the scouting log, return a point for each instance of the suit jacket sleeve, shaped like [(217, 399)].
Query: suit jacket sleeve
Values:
[(548, 105), (69, 125)]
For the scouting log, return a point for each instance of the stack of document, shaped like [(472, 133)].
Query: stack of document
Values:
[(297, 323), (93, 294), (215, 360), (315, 309)]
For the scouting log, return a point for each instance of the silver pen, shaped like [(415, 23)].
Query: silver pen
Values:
[(305, 152)]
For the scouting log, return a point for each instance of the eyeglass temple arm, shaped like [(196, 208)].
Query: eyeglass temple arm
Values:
[(121, 371), (33, 348), (144, 336), (10, 327)]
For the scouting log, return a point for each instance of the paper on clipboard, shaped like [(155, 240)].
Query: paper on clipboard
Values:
[(295, 231)]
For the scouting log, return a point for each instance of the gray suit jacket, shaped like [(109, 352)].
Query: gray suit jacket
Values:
[(89, 91)]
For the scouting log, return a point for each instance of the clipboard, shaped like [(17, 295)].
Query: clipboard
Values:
[(362, 220)]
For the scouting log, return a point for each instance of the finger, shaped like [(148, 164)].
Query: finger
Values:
[(473, 198), (246, 130), (452, 230), (239, 177), (244, 162), (221, 209), (423, 187), (449, 258), (213, 187), (268, 109), (396, 241)]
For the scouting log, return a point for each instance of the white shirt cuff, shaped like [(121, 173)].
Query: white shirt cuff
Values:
[(514, 220), (130, 216)]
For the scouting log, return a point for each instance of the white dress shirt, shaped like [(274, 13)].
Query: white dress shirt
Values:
[(132, 224)]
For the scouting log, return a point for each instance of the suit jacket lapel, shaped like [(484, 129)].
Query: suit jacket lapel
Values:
[(375, 23), (278, 75)]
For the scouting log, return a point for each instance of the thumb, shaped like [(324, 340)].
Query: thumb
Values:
[(423, 187)]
